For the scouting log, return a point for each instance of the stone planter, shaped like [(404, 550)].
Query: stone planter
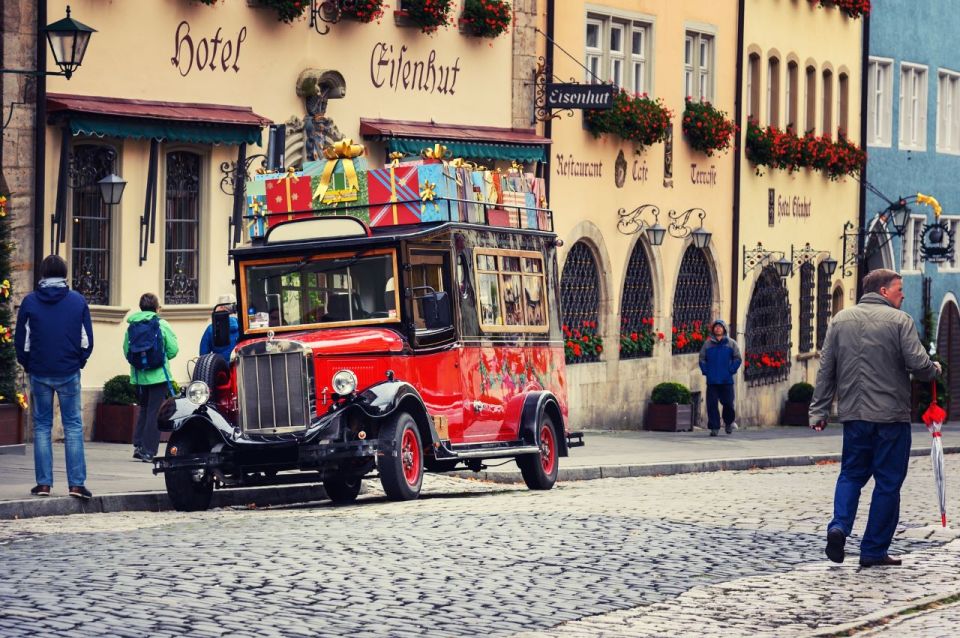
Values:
[(11, 424), (796, 413), (668, 418), (115, 423)]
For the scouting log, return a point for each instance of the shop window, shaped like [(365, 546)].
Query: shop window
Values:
[(827, 103), (879, 102), (511, 291), (692, 302), (182, 228), (806, 307), (767, 353), (823, 304), (580, 295), (637, 334), (792, 87), (617, 51), (948, 112), (773, 91), (843, 103), (953, 224), (913, 107), (91, 232), (810, 121), (753, 87), (698, 66)]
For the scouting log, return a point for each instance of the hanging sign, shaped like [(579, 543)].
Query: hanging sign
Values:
[(580, 96)]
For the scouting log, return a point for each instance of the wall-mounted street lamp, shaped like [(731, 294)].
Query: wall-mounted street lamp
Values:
[(111, 189), (760, 257), (632, 222), (805, 255)]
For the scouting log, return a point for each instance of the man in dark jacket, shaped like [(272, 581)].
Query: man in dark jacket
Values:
[(719, 361), (54, 339), (868, 355), (206, 342)]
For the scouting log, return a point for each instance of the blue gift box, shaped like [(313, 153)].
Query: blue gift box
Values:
[(443, 180)]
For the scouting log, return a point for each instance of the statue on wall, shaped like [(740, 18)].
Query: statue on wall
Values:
[(317, 87)]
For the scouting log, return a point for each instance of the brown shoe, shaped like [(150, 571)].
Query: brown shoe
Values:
[(80, 492), (41, 490), (886, 561)]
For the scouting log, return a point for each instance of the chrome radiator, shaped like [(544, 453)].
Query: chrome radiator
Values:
[(275, 386)]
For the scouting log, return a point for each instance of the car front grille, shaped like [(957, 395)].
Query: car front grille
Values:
[(275, 387)]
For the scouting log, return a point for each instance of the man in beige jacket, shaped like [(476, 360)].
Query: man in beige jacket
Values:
[(868, 355)]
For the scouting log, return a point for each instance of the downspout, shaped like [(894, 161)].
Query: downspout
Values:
[(737, 161), (862, 216), (39, 143), (548, 58)]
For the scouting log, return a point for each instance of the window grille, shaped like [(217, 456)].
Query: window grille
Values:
[(806, 307), (580, 293), (823, 304), (692, 302), (90, 243), (767, 354), (182, 225), (636, 306)]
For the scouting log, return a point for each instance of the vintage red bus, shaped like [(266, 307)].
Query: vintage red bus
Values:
[(377, 352)]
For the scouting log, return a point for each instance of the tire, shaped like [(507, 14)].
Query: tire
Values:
[(343, 491), (401, 469), (213, 370), (187, 494), (540, 470)]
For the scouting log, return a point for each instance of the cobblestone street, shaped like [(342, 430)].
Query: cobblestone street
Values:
[(728, 553)]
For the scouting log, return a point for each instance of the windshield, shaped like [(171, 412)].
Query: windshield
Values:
[(342, 289)]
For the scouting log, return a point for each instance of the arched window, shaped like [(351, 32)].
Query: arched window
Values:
[(637, 334), (753, 87), (843, 103), (580, 302), (692, 302), (823, 304), (793, 88), (806, 307), (837, 304), (773, 91), (182, 229), (767, 354), (91, 233), (810, 122), (827, 103)]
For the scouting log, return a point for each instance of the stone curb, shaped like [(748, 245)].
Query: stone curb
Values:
[(157, 501), (862, 624)]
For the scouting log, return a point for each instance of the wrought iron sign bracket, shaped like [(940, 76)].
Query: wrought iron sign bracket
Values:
[(806, 255), (760, 257), (937, 245), (851, 247)]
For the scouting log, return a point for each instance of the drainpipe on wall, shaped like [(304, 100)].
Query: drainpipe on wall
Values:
[(862, 215), (737, 161), (548, 59), (39, 143)]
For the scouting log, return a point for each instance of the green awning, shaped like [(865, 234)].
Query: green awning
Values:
[(167, 131), (471, 150)]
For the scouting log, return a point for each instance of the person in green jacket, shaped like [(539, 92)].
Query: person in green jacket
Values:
[(152, 385)]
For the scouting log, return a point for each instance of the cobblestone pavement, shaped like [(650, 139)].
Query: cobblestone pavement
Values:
[(729, 553)]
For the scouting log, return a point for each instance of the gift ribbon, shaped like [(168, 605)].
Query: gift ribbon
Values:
[(437, 152), (395, 158), (346, 151), (289, 178), (393, 189), (427, 194), (257, 213)]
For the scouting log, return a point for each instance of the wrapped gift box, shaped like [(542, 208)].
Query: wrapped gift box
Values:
[(517, 199), (442, 181), (478, 194), (464, 193), (288, 194), (394, 184)]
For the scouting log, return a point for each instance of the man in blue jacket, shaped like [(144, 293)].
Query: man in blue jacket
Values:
[(719, 361), (206, 342), (54, 339)]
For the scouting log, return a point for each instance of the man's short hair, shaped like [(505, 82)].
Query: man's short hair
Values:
[(149, 301), (879, 278), (53, 266)]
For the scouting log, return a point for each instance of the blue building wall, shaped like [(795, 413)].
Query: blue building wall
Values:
[(921, 33)]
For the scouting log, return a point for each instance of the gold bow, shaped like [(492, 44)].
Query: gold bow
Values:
[(515, 166), (932, 202), (461, 163), (346, 151), (438, 152), (395, 158), (427, 194)]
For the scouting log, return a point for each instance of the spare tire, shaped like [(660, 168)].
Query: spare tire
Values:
[(213, 370)]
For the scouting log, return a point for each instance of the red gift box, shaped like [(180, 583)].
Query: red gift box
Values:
[(291, 193), (390, 185)]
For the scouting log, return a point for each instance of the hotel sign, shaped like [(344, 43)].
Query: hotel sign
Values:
[(580, 96)]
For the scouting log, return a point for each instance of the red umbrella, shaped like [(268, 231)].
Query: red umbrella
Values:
[(934, 416)]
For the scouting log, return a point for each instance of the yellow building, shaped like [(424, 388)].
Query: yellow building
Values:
[(607, 192), (801, 71)]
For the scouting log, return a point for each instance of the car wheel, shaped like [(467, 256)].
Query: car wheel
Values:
[(401, 462), (540, 470), (342, 491), (189, 490), (213, 370)]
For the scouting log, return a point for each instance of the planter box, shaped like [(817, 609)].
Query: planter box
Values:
[(115, 423), (796, 413), (11, 424), (668, 418)]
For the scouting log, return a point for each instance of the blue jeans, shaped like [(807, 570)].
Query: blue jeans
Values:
[(722, 392), (68, 391), (880, 450)]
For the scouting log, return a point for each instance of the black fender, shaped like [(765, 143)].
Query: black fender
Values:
[(535, 404), (383, 399), (177, 413)]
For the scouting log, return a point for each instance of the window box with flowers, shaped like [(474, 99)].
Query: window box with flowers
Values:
[(783, 150), (13, 399), (851, 8), (427, 15), (636, 118), (688, 338), (639, 343), (669, 409), (485, 18), (361, 10), (707, 128), (287, 11), (765, 367), (583, 344)]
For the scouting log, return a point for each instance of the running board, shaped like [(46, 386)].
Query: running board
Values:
[(496, 453)]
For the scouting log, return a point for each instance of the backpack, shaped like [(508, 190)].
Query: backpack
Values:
[(145, 344)]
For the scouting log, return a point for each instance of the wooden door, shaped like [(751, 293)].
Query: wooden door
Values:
[(948, 347)]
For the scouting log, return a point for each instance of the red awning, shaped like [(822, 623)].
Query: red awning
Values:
[(151, 109), (457, 132)]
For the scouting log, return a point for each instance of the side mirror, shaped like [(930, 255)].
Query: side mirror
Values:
[(436, 310), (221, 327)]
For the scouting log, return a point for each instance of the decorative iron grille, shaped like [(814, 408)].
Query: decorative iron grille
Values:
[(823, 304), (692, 302), (580, 298), (637, 335), (90, 241), (182, 224), (806, 307), (767, 358)]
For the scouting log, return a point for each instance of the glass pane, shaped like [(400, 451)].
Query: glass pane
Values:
[(688, 83), (488, 292), (704, 86), (532, 265), (638, 83), (90, 240), (637, 43), (594, 66), (616, 72), (510, 264), (593, 35), (533, 301), (616, 39), (688, 51), (182, 222), (704, 53), (512, 300)]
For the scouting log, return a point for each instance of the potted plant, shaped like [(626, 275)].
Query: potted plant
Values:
[(485, 18), (117, 411), (707, 128), (850, 8), (638, 118), (428, 15), (669, 408), (797, 407), (13, 402), (582, 344)]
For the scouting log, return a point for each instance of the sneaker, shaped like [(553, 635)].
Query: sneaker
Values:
[(835, 542), (137, 452), (732, 427), (714, 432), (146, 457), (41, 490), (79, 491)]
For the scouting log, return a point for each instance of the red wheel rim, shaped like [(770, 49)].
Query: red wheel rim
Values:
[(410, 456), (548, 448)]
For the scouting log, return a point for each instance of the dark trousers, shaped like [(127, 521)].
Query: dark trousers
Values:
[(146, 436), (880, 450), (722, 393)]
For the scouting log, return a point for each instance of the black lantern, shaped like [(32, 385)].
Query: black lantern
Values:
[(68, 40), (783, 267), (655, 234), (829, 266), (111, 189), (701, 237), (901, 215)]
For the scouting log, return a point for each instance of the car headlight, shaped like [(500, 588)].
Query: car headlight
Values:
[(344, 382), (198, 392)]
